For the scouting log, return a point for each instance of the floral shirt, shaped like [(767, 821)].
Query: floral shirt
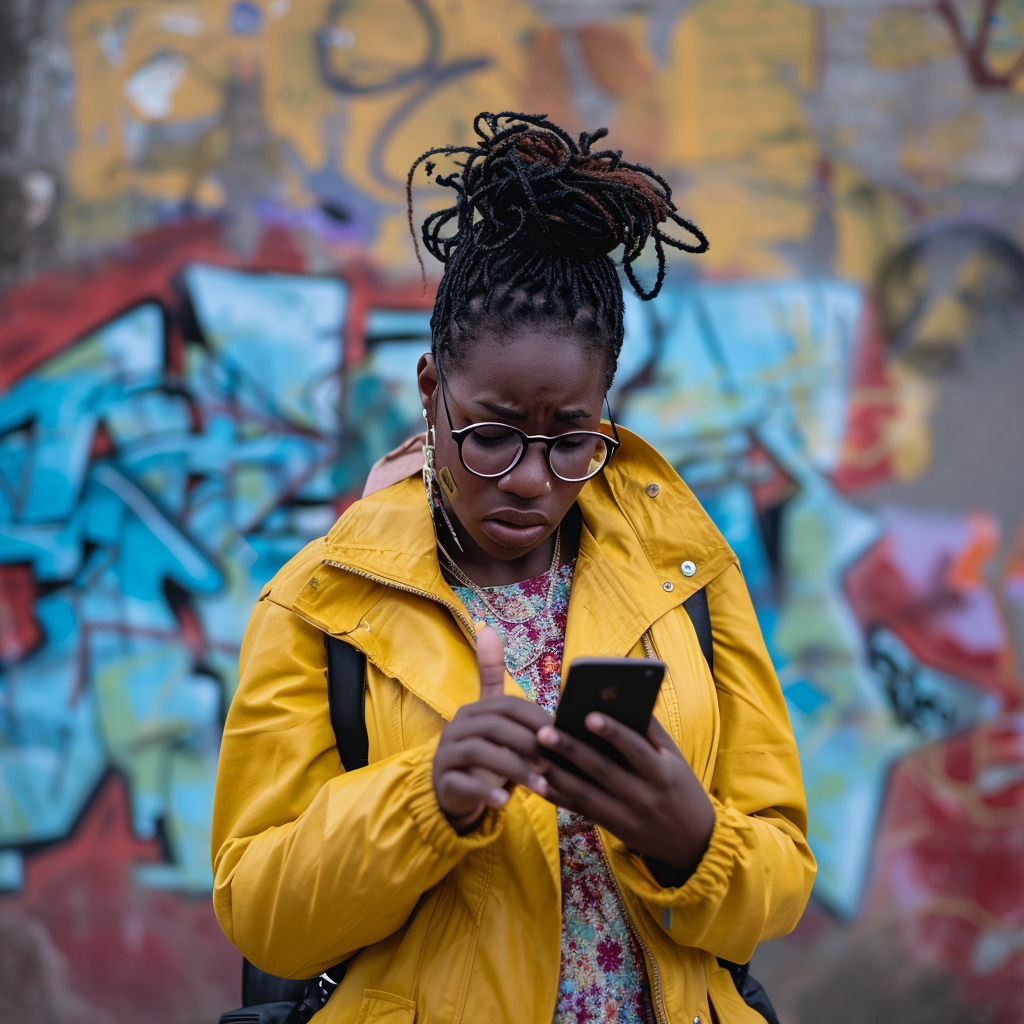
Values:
[(603, 978)]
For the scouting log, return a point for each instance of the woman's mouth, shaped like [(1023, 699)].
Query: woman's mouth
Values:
[(513, 534)]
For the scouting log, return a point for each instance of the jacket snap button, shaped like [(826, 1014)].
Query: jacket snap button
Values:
[(652, 490), (696, 1020), (667, 586), (314, 583), (688, 568)]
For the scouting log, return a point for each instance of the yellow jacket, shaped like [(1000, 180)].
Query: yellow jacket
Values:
[(312, 864)]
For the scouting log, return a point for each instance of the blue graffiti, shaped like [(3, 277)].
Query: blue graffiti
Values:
[(153, 496)]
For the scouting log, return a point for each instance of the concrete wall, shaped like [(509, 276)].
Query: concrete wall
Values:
[(210, 319)]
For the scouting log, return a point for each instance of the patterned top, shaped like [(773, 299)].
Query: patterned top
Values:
[(603, 978)]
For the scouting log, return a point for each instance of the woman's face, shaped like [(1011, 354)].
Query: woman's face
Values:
[(535, 380)]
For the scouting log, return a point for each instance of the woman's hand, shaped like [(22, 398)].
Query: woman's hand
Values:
[(660, 809), (488, 745)]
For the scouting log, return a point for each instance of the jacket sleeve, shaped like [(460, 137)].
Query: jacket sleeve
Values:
[(756, 875), (310, 863)]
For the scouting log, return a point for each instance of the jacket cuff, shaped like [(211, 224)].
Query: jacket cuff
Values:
[(433, 826), (708, 883), (666, 875)]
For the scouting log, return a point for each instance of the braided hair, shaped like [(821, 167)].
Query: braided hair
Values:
[(536, 216)]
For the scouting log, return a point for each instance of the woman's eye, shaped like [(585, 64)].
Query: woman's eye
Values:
[(493, 439), (570, 444)]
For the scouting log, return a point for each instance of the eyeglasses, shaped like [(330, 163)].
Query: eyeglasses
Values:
[(491, 450)]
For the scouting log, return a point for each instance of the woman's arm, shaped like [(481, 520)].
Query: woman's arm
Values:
[(755, 876), (720, 870), (310, 863)]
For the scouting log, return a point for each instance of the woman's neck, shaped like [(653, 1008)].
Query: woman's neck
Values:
[(487, 571)]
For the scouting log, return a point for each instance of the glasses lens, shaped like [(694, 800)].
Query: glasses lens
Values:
[(491, 449), (577, 456)]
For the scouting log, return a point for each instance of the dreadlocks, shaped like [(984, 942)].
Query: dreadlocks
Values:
[(536, 216)]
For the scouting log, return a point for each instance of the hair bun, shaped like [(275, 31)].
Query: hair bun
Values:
[(529, 184)]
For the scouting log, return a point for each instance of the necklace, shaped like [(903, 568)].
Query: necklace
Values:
[(529, 620), (528, 611)]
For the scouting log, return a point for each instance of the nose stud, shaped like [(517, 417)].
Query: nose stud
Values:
[(547, 485)]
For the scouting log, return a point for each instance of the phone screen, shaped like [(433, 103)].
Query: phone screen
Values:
[(622, 688)]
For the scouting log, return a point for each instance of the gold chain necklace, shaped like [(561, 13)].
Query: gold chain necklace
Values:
[(465, 581)]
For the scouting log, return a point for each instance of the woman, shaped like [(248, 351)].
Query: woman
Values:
[(470, 878)]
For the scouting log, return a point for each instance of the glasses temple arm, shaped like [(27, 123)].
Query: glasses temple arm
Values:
[(611, 420)]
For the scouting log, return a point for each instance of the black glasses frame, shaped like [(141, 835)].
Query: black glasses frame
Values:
[(459, 436)]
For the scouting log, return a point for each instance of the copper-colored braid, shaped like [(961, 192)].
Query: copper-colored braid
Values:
[(536, 214)]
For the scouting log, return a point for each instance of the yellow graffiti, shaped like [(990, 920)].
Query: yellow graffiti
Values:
[(167, 93)]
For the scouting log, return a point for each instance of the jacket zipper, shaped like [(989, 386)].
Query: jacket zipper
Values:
[(659, 1002), (649, 651), (460, 616)]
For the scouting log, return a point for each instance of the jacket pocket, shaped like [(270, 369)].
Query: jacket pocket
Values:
[(384, 1008)]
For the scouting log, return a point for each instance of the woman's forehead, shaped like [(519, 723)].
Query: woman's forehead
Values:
[(529, 374)]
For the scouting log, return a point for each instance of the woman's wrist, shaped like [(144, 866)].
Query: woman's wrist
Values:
[(673, 866), (466, 823), (668, 876)]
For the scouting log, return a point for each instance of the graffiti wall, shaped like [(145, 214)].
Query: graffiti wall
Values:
[(212, 332)]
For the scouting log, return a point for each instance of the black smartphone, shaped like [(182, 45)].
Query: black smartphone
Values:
[(621, 688)]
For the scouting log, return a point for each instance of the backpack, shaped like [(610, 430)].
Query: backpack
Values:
[(267, 999)]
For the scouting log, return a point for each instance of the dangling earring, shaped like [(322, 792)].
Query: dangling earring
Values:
[(428, 466), (447, 482), (434, 499)]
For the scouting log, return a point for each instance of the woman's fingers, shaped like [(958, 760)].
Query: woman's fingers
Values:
[(509, 721), (637, 749), (489, 744), (507, 733), (490, 661), (467, 788), (601, 769), (523, 711), (580, 795), (478, 752)]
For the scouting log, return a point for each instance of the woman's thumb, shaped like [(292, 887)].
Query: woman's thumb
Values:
[(490, 660)]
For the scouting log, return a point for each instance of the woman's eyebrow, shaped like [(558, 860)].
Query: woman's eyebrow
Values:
[(518, 414), (500, 410)]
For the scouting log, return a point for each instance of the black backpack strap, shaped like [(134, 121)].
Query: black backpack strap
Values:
[(279, 999), (259, 987), (754, 995), (346, 695), (751, 990), (696, 606)]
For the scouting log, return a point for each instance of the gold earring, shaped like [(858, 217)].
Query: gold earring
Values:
[(428, 466), (447, 482), (430, 485)]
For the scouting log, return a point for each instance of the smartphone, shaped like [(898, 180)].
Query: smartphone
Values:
[(621, 688)]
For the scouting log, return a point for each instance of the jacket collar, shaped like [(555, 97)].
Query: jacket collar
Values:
[(640, 523)]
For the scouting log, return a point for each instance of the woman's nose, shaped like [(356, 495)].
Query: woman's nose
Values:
[(532, 478)]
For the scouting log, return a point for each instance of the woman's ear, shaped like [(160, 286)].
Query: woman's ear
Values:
[(426, 381)]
